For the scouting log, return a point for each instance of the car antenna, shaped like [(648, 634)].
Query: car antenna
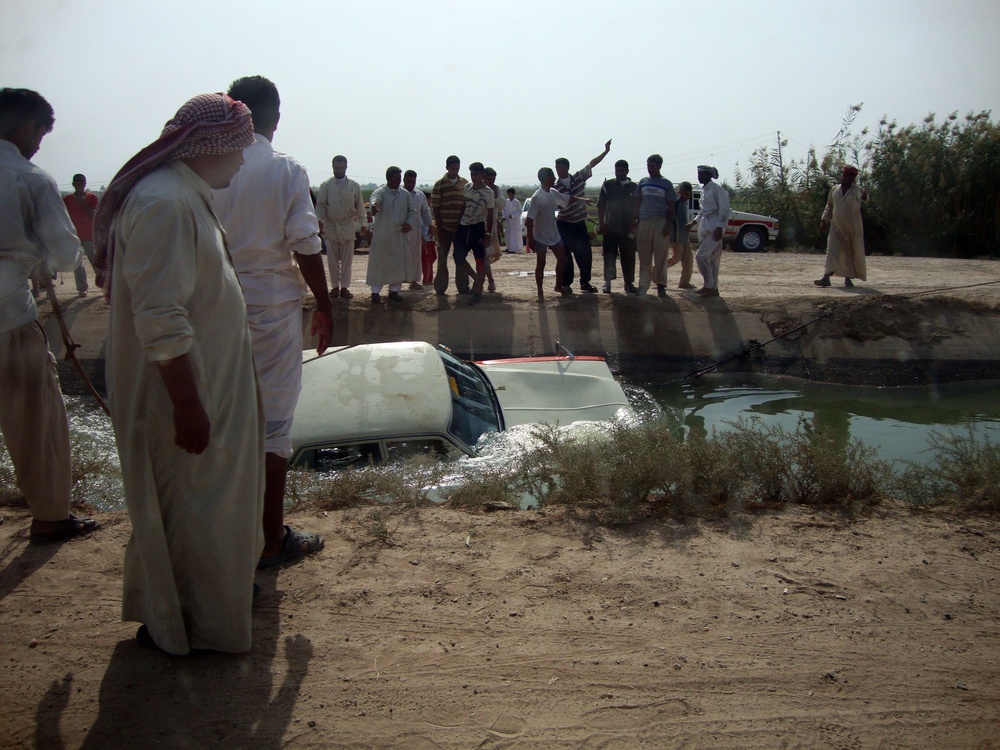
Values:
[(569, 354)]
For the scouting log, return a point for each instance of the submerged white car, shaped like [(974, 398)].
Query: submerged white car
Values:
[(377, 402)]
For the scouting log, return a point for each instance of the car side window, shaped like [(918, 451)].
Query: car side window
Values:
[(401, 450), (339, 457)]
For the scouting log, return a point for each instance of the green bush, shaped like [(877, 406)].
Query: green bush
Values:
[(650, 466), (489, 484), (829, 470), (9, 493), (964, 472)]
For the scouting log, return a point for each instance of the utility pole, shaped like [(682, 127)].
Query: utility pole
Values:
[(781, 164)]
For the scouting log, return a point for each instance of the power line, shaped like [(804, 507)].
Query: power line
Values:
[(322, 173)]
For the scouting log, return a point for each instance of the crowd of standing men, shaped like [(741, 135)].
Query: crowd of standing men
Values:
[(413, 242), (204, 244)]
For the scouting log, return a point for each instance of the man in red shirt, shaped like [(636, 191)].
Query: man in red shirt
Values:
[(82, 206)]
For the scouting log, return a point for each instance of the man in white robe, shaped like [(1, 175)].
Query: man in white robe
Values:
[(393, 217), (712, 222), (340, 209), (512, 222), (181, 385), (845, 245), (273, 239), (415, 240)]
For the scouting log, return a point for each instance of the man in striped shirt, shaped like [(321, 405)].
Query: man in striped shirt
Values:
[(447, 205), (475, 229), (572, 221)]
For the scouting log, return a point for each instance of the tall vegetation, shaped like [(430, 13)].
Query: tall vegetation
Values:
[(934, 188)]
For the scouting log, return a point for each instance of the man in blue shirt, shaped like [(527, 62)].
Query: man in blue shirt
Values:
[(653, 216)]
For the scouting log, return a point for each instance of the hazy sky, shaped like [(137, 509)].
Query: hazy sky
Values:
[(512, 84)]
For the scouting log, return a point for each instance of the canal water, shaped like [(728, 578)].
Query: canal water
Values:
[(897, 422)]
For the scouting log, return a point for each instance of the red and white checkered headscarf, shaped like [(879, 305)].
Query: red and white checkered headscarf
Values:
[(206, 124)]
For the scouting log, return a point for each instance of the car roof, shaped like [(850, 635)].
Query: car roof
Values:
[(372, 391)]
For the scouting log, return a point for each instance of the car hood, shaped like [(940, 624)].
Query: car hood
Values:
[(555, 390), (747, 215)]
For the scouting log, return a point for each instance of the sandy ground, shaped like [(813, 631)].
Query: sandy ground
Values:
[(436, 628), (443, 629)]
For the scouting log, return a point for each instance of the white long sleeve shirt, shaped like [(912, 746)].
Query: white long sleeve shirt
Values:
[(714, 208), (34, 228), (268, 215), (423, 212), (341, 208)]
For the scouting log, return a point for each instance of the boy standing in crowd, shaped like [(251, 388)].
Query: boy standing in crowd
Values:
[(542, 230)]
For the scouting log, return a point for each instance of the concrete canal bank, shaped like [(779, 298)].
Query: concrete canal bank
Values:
[(914, 320)]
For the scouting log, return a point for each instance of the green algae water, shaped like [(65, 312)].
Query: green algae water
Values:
[(896, 422)]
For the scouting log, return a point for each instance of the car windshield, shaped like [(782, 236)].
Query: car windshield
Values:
[(473, 409)]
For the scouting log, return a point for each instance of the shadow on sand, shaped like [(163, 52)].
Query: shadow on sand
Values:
[(148, 699)]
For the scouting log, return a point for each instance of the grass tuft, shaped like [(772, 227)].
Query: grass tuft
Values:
[(380, 525), (9, 493), (406, 482), (830, 470), (633, 469), (964, 472), (96, 476), (488, 484)]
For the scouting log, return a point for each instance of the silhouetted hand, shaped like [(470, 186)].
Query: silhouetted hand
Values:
[(322, 329), (192, 427)]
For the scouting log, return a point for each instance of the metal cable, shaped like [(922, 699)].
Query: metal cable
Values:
[(745, 350)]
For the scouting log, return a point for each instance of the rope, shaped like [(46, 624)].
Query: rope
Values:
[(746, 351), (948, 288), (72, 346)]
